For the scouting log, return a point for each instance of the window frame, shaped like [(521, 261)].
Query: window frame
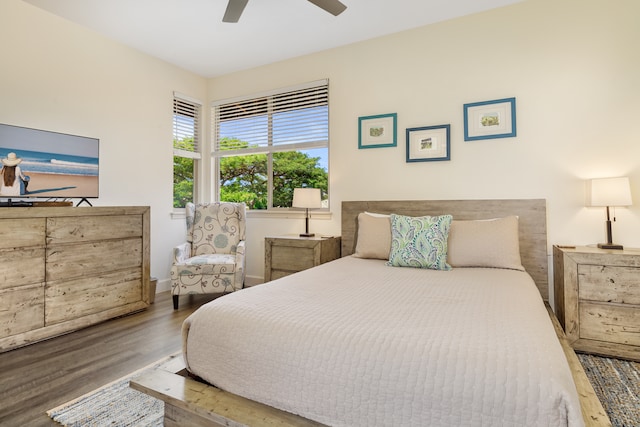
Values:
[(270, 148), (197, 154)]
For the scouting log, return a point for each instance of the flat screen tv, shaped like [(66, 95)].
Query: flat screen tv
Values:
[(54, 165)]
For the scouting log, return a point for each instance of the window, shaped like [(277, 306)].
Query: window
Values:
[(265, 146), (186, 148)]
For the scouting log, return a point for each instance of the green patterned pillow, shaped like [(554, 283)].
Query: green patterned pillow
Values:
[(419, 242)]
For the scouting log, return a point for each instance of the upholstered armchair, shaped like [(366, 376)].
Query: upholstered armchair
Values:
[(212, 259)]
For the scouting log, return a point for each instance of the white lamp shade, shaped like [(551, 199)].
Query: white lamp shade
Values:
[(309, 198), (609, 192)]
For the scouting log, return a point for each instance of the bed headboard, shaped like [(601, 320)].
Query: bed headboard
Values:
[(532, 222)]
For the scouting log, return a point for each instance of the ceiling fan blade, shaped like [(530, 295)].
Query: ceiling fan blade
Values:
[(234, 10), (334, 7)]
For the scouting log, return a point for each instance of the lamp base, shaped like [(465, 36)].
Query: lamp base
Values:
[(307, 234), (609, 246)]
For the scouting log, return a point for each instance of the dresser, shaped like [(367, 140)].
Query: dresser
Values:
[(284, 255), (597, 299), (64, 268)]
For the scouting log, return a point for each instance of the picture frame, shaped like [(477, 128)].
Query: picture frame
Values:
[(378, 131), (490, 119), (429, 143)]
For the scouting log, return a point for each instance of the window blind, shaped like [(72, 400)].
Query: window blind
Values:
[(186, 127), (294, 118)]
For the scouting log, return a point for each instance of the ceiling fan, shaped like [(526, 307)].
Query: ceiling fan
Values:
[(235, 8)]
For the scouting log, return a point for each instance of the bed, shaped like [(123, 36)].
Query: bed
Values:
[(357, 342)]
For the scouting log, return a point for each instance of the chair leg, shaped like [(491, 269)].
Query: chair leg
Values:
[(175, 302)]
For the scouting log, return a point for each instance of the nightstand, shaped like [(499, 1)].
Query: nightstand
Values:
[(597, 299), (284, 255)]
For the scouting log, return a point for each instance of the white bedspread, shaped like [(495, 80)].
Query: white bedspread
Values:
[(356, 343)]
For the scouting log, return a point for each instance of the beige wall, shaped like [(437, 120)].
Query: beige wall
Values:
[(58, 76), (572, 65)]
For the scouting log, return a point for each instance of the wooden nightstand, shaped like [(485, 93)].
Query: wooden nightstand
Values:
[(597, 299), (284, 255)]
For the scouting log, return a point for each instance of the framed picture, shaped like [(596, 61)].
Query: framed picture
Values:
[(430, 143), (377, 131), (490, 119)]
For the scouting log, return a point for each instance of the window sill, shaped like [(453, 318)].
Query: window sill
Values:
[(273, 213), (287, 214)]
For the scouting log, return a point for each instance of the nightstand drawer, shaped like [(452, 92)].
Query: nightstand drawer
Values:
[(610, 322), (609, 283), (291, 258)]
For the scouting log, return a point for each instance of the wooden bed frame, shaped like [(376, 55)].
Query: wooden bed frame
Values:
[(190, 402)]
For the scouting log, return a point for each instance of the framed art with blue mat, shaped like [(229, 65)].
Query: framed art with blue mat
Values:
[(429, 143), (377, 131), (490, 119)]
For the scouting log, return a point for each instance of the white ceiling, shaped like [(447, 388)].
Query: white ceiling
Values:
[(191, 34)]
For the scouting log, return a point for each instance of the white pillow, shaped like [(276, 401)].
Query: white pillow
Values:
[(374, 236), (485, 243), (377, 215)]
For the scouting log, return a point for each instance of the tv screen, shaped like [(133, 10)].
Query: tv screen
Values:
[(47, 164)]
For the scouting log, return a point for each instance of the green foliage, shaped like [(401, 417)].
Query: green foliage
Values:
[(182, 174), (293, 169), (244, 178)]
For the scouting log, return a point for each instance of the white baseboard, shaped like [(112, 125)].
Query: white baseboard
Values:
[(163, 285)]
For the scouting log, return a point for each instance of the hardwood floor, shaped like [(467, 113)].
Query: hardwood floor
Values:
[(44, 375)]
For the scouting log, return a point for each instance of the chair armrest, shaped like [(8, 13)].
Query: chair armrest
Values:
[(240, 253), (181, 253)]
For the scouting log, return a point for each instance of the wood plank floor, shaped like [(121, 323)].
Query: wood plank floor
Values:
[(44, 375)]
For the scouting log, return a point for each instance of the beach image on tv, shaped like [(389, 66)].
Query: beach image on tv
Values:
[(51, 164)]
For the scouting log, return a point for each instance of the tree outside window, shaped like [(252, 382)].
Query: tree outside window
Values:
[(183, 176)]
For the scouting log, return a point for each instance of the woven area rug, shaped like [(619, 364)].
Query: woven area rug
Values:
[(617, 384), (116, 404)]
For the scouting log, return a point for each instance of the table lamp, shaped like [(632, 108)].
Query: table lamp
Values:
[(308, 198), (609, 192)]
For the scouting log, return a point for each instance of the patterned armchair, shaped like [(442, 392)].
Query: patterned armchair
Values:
[(212, 260)]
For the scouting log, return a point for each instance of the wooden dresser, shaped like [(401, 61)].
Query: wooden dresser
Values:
[(597, 299), (286, 255), (64, 268)]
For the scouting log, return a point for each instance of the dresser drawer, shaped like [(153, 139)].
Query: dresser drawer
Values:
[(88, 228), (72, 299), (21, 267), (19, 232), (609, 283), (87, 259), (21, 309)]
